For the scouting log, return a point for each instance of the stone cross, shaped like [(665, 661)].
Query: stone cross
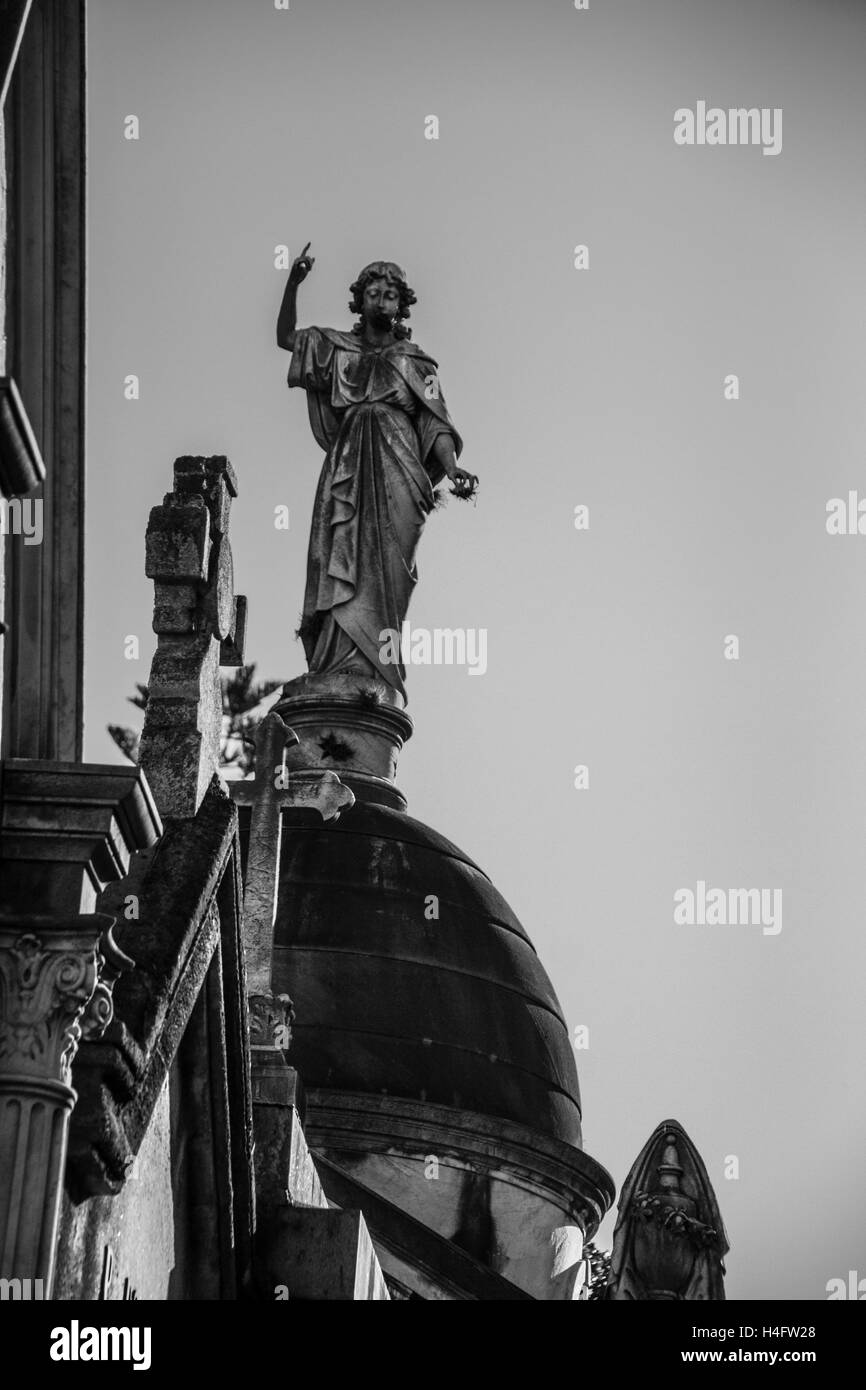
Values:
[(276, 1088), (273, 789), (199, 625)]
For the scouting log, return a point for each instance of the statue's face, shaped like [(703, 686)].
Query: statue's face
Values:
[(381, 303)]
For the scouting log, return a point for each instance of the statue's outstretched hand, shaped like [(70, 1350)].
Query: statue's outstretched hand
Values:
[(465, 484), (301, 266)]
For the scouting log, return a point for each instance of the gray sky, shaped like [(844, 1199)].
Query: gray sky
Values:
[(604, 387)]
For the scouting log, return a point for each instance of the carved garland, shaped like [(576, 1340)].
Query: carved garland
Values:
[(675, 1220)]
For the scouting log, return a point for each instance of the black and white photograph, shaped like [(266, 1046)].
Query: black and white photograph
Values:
[(433, 723)]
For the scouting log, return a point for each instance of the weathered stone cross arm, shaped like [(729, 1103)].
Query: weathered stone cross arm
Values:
[(200, 626)]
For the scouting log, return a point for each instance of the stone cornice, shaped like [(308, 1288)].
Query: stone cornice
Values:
[(83, 821), (45, 802), (359, 1122), (439, 1260), (382, 719)]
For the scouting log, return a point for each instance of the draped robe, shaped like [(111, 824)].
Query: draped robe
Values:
[(377, 413)]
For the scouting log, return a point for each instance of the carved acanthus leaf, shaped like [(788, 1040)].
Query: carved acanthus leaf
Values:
[(48, 975)]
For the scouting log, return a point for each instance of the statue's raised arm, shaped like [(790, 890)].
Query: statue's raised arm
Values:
[(288, 316)]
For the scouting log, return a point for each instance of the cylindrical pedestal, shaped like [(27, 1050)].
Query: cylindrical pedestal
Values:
[(350, 724)]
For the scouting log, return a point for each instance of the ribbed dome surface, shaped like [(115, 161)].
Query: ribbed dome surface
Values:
[(456, 1011)]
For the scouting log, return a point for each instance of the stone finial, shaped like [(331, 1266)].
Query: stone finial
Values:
[(669, 1242), (199, 623)]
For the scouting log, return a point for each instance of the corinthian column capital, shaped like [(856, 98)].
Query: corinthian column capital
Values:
[(56, 976), (49, 975)]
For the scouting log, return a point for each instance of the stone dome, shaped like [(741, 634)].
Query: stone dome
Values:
[(411, 977)]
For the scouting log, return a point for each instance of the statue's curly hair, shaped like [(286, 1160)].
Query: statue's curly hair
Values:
[(383, 270)]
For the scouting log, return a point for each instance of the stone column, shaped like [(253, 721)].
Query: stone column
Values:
[(56, 976)]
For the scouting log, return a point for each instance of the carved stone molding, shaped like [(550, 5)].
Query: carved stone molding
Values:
[(271, 1019), (111, 964), (48, 974)]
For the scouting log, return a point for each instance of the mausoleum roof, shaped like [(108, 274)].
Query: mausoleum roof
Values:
[(412, 977)]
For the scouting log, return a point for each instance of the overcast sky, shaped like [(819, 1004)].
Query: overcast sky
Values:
[(602, 387)]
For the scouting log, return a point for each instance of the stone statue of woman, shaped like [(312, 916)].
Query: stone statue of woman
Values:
[(377, 410)]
